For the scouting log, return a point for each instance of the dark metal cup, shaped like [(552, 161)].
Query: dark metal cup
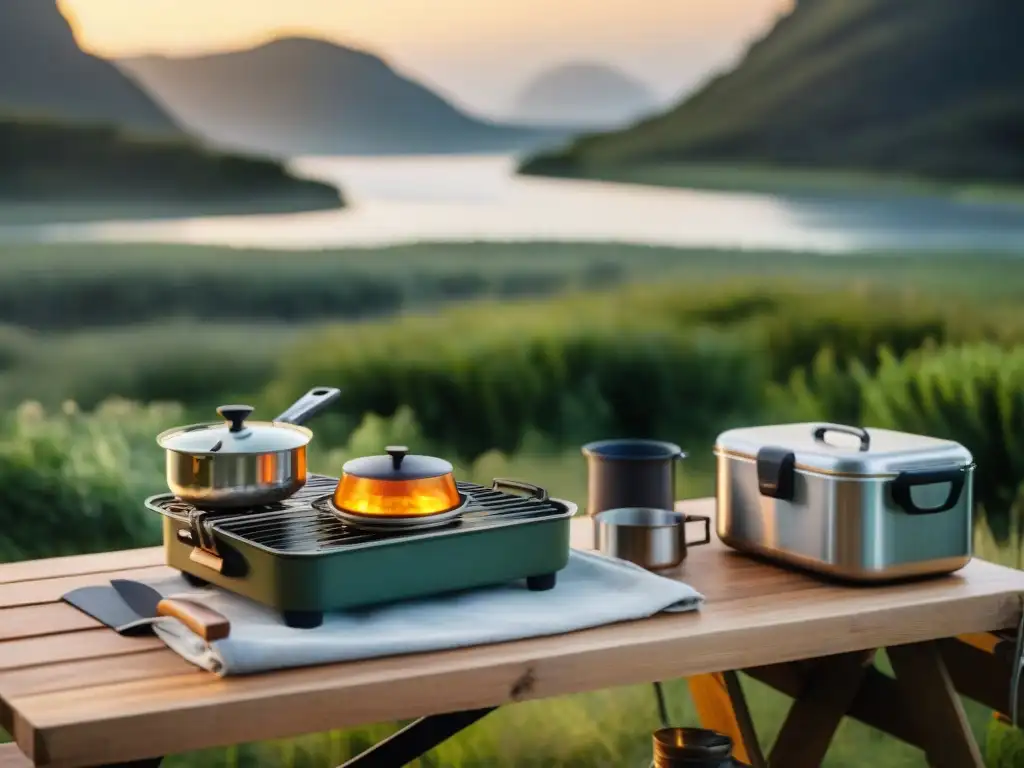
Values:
[(692, 748), (631, 473)]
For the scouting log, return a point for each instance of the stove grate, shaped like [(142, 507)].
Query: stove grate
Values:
[(305, 524)]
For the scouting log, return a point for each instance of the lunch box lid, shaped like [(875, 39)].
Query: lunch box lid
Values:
[(837, 449)]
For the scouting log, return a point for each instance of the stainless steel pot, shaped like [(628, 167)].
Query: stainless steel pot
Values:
[(654, 539), (240, 463)]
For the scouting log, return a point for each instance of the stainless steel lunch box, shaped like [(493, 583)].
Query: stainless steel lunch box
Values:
[(859, 504)]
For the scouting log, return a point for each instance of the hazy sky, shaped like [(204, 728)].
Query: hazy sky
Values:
[(478, 51)]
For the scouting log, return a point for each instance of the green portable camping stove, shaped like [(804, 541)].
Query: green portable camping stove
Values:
[(301, 559)]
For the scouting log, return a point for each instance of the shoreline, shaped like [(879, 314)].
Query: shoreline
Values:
[(789, 182), (35, 213)]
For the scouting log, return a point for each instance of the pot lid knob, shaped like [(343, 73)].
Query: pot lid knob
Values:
[(397, 453), (236, 415)]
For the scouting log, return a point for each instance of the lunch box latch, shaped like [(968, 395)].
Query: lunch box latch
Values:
[(776, 473)]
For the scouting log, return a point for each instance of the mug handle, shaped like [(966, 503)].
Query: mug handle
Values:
[(707, 529)]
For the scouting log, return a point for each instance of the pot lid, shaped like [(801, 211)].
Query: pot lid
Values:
[(235, 435), (398, 464)]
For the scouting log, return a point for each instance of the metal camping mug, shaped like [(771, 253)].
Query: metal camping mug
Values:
[(693, 748), (654, 539), (631, 473)]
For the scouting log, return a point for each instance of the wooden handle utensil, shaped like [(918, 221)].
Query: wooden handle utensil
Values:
[(202, 620)]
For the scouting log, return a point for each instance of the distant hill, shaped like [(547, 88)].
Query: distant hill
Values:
[(923, 87), (97, 166), (44, 73), (304, 96), (586, 94)]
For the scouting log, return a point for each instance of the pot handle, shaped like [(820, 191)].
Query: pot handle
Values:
[(695, 519), (309, 405), (904, 481), (500, 483), (858, 432)]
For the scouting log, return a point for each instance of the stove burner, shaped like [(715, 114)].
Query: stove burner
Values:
[(393, 525)]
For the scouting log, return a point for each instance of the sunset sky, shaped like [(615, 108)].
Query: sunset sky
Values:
[(478, 51)]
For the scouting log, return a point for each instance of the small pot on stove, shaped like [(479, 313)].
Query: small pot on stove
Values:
[(239, 462), (397, 491)]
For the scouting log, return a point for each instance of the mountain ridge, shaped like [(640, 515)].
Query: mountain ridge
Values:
[(583, 92), (45, 74), (248, 98), (930, 88)]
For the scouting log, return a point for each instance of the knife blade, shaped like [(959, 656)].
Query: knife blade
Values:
[(103, 604), (148, 603)]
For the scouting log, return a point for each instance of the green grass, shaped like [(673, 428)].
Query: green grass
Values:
[(146, 322), (73, 287), (605, 729), (188, 361)]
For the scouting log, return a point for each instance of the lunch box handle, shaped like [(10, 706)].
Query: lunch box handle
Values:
[(858, 432), (904, 481)]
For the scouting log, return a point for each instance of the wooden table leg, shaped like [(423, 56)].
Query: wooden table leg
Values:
[(750, 752), (929, 695), (824, 701), (721, 706)]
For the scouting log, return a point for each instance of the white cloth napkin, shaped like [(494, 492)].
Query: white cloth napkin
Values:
[(592, 590)]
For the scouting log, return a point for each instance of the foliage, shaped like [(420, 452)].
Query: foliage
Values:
[(1004, 745), (479, 379), (75, 287), (825, 390), (198, 365), (972, 394), (72, 483), (55, 161), (655, 360)]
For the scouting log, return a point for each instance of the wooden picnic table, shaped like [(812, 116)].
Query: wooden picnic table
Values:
[(73, 693)]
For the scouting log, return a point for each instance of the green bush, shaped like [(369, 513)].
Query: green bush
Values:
[(672, 361), (192, 363), (826, 390), (1004, 745), (73, 482), (972, 394), (483, 378)]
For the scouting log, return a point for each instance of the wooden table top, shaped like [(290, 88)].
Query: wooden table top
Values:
[(74, 693)]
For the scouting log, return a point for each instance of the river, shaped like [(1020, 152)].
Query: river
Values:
[(409, 199)]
